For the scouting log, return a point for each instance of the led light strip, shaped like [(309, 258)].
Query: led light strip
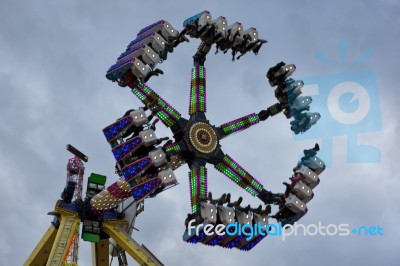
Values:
[(117, 128), (168, 115), (234, 242), (193, 189), (252, 243), (138, 40), (126, 148), (161, 102), (127, 61), (240, 124), (239, 175), (151, 99), (198, 185), (142, 190), (198, 90), (120, 189), (132, 170), (150, 26), (215, 240), (110, 197), (202, 179), (130, 52), (229, 172), (243, 173), (173, 149), (196, 238), (193, 19)]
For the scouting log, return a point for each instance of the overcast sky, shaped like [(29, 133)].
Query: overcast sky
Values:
[(53, 91)]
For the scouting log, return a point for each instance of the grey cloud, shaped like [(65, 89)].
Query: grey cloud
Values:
[(53, 91)]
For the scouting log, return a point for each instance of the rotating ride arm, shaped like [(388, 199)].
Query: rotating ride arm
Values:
[(291, 203), (226, 37), (161, 108), (223, 212), (144, 168), (198, 98), (198, 185), (287, 93), (239, 175), (300, 191), (137, 64), (106, 222)]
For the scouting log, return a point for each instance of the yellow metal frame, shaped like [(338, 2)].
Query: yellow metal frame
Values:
[(116, 229), (100, 251), (52, 248), (41, 252)]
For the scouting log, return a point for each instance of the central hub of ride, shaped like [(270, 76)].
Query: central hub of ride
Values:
[(203, 137)]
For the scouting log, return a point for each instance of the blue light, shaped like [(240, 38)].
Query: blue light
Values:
[(125, 148), (118, 127), (234, 242), (142, 190), (118, 64), (130, 51), (150, 26), (193, 19), (137, 40), (252, 243), (215, 240), (196, 238), (134, 168)]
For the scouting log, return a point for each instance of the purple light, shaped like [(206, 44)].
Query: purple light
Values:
[(131, 170), (151, 26), (234, 242), (158, 102), (246, 173), (117, 128), (117, 192), (130, 51), (120, 63), (142, 190), (215, 240), (126, 148), (234, 171), (138, 40), (252, 243)]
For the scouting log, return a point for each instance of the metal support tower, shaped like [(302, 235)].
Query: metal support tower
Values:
[(75, 172), (56, 243)]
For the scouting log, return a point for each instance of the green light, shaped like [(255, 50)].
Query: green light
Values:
[(241, 124), (193, 185), (202, 173), (228, 173), (249, 189), (91, 237), (97, 179), (258, 186), (150, 94), (197, 90), (138, 94), (173, 149), (254, 118)]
